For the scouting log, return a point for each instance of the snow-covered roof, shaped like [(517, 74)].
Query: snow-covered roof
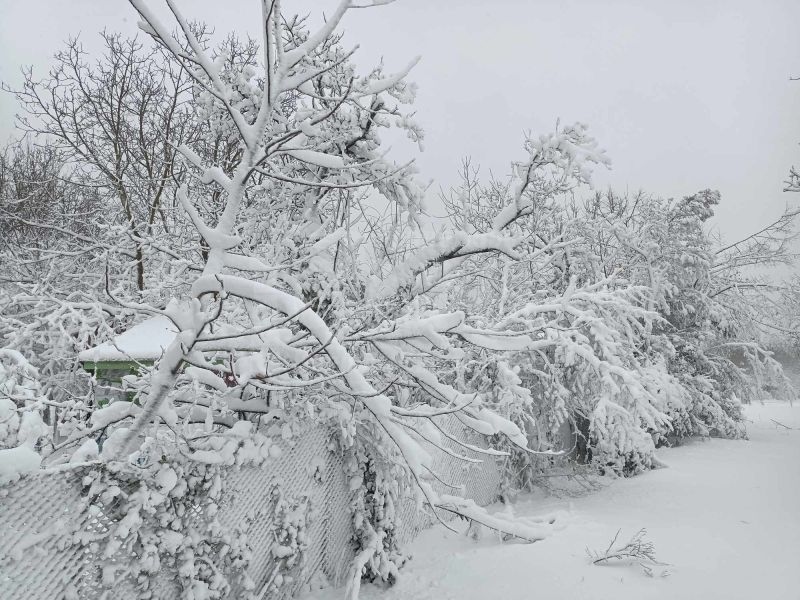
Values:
[(145, 341)]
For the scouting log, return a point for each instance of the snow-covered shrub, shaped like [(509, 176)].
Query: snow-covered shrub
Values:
[(24, 436), (618, 444)]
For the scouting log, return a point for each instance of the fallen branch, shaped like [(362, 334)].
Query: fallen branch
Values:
[(637, 549), (517, 528)]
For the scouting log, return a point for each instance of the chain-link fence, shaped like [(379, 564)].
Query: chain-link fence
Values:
[(49, 528)]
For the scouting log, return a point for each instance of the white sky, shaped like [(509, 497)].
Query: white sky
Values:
[(683, 94)]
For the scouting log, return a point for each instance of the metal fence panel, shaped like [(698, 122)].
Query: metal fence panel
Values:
[(48, 526)]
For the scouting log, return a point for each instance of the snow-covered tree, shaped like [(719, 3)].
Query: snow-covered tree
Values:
[(275, 324), (707, 293), (241, 193), (595, 364)]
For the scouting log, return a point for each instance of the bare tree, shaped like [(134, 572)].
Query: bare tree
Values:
[(117, 122)]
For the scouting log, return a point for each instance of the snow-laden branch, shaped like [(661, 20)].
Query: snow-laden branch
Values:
[(556, 162)]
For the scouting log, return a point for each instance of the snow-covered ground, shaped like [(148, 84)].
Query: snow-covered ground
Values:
[(725, 515)]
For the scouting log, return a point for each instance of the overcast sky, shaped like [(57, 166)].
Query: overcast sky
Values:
[(684, 95)]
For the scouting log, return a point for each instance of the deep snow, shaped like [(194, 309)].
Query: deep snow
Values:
[(725, 515)]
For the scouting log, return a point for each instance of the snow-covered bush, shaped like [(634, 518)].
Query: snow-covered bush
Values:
[(24, 436)]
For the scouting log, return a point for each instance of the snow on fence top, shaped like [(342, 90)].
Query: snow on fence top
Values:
[(145, 341)]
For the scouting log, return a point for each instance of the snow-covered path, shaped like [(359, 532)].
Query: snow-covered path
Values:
[(725, 515)]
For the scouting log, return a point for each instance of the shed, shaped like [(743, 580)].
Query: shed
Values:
[(141, 345)]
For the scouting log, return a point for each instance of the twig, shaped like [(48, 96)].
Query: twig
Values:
[(637, 549)]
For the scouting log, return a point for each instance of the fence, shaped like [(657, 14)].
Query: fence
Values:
[(47, 523)]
